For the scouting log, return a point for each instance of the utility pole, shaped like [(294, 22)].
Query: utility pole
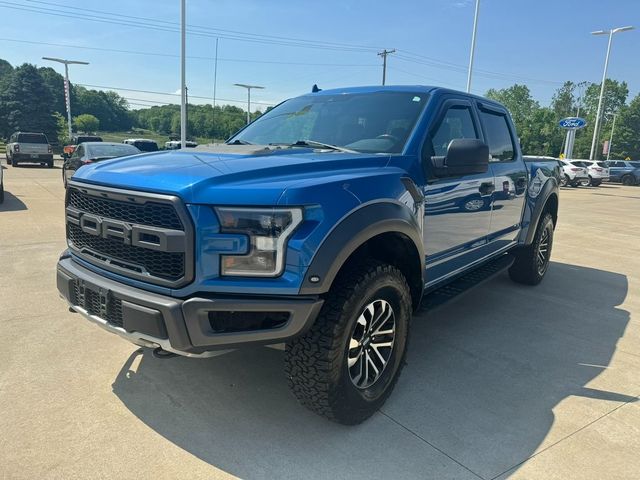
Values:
[(384, 54), (183, 87), (186, 104), (611, 138), (248, 87), (473, 46), (67, 87)]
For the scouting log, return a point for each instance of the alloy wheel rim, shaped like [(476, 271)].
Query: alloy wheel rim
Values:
[(371, 343), (542, 258), (475, 204)]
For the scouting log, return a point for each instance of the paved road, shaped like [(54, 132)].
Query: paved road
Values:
[(509, 381)]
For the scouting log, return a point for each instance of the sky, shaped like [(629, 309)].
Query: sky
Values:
[(287, 46)]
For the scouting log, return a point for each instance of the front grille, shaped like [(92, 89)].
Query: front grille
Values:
[(142, 236), (107, 306), (167, 265), (153, 214)]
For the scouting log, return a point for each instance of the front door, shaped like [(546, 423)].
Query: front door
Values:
[(457, 209)]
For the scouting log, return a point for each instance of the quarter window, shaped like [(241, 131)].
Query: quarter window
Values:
[(499, 139), (457, 123)]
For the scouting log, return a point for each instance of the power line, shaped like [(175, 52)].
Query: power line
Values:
[(206, 28), (165, 93), (167, 26), (196, 57), (119, 19)]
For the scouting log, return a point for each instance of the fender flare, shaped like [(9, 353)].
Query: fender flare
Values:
[(549, 188), (353, 231)]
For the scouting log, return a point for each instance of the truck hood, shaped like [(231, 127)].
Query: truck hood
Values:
[(233, 175)]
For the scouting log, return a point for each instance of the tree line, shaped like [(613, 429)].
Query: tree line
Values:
[(538, 128), (32, 99)]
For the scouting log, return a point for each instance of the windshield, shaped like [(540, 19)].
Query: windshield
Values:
[(377, 122), (89, 139), (106, 150), (32, 138), (146, 146)]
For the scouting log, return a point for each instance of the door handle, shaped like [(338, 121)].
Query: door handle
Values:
[(487, 188)]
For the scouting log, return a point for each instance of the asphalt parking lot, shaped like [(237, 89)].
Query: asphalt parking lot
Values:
[(507, 382)]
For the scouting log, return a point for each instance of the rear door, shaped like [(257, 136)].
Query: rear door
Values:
[(457, 209), (509, 175)]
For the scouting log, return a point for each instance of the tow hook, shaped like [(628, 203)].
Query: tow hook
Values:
[(160, 353)]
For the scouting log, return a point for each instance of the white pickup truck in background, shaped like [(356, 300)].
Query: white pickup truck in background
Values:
[(26, 147)]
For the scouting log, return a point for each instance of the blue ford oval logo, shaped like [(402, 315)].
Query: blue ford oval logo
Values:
[(572, 122)]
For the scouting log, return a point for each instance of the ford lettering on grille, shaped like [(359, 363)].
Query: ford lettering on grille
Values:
[(139, 235), (164, 240)]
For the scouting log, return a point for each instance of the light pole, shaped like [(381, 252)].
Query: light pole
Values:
[(183, 87), (613, 127), (473, 45), (67, 92), (248, 87), (604, 77)]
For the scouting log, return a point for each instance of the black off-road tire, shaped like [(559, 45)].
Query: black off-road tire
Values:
[(1, 192), (50, 164), (316, 363), (8, 158), (527, 267)]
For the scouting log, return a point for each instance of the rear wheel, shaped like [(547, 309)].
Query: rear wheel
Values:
[(627, 180), (347, 364), (1, 192), (532, 262)]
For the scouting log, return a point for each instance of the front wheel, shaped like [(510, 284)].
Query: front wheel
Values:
[(532, 261), (347, 364), (564, 180), (585, 182)]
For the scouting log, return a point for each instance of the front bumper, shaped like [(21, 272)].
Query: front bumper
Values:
[(33, 157), (178, 326)]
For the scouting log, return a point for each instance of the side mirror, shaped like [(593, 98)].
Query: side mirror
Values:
[(465, 156)]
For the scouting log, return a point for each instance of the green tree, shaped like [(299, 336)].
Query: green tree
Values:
[(26, 103), (626, 140), (86, 123)]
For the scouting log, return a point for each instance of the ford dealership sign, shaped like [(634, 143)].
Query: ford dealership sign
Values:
[(573, 122)]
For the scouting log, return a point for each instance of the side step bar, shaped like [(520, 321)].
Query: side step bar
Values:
[(466, 282)]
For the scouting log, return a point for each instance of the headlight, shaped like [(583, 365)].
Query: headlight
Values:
[(268, 229)]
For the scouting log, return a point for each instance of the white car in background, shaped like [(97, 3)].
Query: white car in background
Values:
[(574, 175), (598, 172)]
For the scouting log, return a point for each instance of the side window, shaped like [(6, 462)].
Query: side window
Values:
[(78, 152), (457, 123), (501, 147)]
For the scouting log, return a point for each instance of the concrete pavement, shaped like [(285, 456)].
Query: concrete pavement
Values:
[(506, 382)]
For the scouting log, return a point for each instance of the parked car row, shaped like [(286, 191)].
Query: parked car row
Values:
[(92, 152), (624, 171)]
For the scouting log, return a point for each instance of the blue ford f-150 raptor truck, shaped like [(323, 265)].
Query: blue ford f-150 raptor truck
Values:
[(321, 225)]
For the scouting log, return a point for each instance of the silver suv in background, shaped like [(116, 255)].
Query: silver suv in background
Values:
[(25, 147)]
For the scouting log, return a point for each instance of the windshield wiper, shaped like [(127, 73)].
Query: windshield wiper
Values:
[(240, 142), (313, 143)]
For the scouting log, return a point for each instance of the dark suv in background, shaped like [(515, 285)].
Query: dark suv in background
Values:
[(624, 171)]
